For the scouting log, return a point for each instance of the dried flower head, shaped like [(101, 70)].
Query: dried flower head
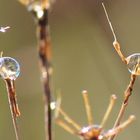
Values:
[(91, 131)]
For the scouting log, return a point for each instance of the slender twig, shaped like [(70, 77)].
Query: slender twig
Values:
[(44, 55), (65, 126), (127, 94), (87, 107), (109, 109), (121, 127), (13, 104), (44, 52), (128, 90), (115, 42), (69, 120), (124, 124), (109, 22), (40, 10)]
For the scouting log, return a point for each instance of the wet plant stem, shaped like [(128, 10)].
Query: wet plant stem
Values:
[(13, 104), (127, 94)]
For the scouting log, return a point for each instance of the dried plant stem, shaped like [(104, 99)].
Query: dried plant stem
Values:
[(69, 120), (65, 126), (44, 47), (109, 109), (87, 107), (13, 104), (124, 124), (121, 127), (127, 94), (115, 43)]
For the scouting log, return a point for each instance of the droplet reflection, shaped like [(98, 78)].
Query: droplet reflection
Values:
[(133, 63), (9, 68)]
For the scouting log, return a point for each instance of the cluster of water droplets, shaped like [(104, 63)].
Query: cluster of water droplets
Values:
[(133, 63), (9, 68)]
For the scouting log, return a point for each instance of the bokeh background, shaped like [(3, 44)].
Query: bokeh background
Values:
[(83, 58)]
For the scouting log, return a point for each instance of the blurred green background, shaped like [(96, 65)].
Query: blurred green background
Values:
[(83, 58)]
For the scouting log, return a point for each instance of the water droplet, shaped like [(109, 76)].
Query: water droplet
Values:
[(37, 8), (4, 29), (9, 68), (53, 105), (134, 63)]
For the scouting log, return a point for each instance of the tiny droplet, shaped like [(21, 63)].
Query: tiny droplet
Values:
[(37, 8), (9, 68), (4, 29), (134, 63), (53, 105)]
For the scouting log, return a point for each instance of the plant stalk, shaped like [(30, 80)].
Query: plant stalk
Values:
[(13, 104), (127, 94), (44, 52)]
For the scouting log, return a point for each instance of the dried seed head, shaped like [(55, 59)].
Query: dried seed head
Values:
[(92, 132), (9, 68), (133, 63)]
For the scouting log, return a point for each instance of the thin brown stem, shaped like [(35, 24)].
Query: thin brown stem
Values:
[(40, 11), (45, 65), (127, 95), (69, 120), (121, 127), (124, 124), (65, 126), (13, 104), (109, 109), (109, 22), (118, 50), (59, 111), (44, 52), (115, 43), (87, 107)]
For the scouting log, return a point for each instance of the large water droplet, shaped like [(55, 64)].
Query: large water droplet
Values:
[(134, 63), (9, 68)]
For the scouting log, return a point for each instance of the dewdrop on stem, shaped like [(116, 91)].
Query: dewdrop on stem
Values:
[(38, 8), (9, 71), (9, 68), (133, 63)]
